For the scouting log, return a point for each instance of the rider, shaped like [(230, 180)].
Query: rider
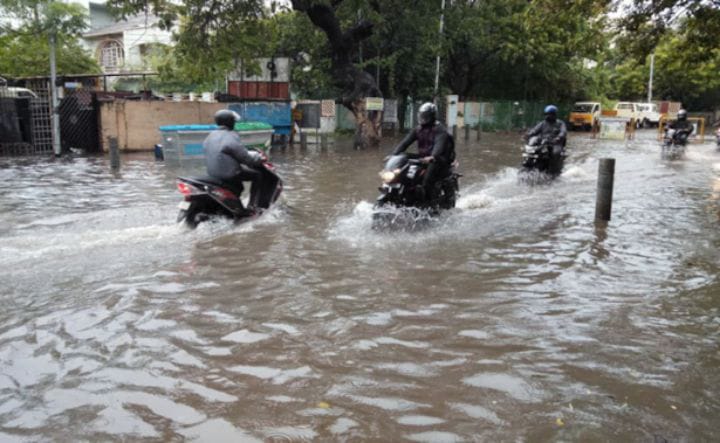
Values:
[(551, 128), (228, 160), (683, 127), (435, 147)]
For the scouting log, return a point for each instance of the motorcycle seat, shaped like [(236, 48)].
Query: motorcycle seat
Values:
[(206, 179)]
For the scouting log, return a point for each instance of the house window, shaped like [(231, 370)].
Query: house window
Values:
[(111, 55)]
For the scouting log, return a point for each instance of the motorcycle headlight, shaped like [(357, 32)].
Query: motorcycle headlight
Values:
[(389, 176)]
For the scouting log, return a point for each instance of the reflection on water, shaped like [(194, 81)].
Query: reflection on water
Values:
[(511, 317)]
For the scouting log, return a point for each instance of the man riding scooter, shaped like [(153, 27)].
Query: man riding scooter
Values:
[(551, 128), (436, 148), (683, 128), (227, 159)]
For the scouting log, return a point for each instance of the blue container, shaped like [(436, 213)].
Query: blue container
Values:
[(185, 142), (277, 114)]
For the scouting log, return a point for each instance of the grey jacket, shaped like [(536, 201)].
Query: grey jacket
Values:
[(224, 153)]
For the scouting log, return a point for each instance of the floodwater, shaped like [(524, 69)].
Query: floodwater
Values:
[(512, 318)]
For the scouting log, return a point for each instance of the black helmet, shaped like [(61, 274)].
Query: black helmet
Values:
[(427, 113), (226, 118), (682, 114)]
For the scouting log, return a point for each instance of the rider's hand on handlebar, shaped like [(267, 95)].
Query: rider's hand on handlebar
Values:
[(428, 159)]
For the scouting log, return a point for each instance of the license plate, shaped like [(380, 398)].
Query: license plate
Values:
[(184, 205)]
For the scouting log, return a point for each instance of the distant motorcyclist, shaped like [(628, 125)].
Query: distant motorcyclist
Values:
[(435, 147), (227, 159), (551, 128), (682, 126)]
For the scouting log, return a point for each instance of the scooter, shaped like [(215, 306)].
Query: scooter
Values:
[(674, 142), (402, 201), (538, 158), (206, 197)]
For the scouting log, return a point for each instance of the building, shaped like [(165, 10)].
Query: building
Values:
[(122, 45)]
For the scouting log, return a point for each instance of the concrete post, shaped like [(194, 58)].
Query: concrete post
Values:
[(114, 153), (479, 130), (454, 132), (303, 140), (323, 141), (55, 122), (467, 132), (606, 177)]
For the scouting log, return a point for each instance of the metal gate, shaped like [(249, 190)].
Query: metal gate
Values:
[(79, 121), (26, 121)]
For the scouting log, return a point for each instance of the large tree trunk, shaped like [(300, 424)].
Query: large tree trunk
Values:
[(354, 83)]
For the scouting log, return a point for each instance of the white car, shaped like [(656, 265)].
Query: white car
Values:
[(628, 110), (15, 92), (648, 114)]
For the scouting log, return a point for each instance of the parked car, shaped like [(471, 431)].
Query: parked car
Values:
[(584, 115), (15, 92), (648, 115), (628, 110)]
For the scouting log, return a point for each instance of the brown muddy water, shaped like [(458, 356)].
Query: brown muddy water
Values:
[(512, 318)]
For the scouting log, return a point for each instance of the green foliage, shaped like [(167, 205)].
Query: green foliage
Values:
[(26, 55), (559, 50), (24, 38)]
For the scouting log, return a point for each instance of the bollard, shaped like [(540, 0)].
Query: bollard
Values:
[(114, 153), (303, 140), (467, 132), (323, 141), (479, 130), (603, 204), (454, 132)]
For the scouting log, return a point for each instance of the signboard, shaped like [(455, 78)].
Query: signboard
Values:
[(390, 111), (612, 128), (373, 103), (452, 110)]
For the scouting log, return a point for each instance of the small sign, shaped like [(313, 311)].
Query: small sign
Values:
[(73, 85), (373, 103), (612, 128)]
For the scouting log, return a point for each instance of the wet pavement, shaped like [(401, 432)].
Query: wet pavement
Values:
[(512, 318)]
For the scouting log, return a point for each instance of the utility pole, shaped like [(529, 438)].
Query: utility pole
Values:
[(437, 59), (652, 71), (57, 148)]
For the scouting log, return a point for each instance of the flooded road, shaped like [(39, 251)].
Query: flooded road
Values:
[(513, 318)]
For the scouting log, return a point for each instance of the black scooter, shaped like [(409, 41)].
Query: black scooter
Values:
[(206, 197), (674, 144), (402, 200), (538, 158)]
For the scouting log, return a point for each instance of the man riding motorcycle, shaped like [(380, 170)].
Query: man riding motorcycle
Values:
[(228, 160), (435, 147), (682, 127), (551, 128)]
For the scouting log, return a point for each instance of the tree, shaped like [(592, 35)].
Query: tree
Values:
[(354, 83), (22, 53)]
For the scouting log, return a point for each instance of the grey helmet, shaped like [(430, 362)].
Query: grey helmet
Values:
[(682, 114), (226, 118), (427, 113)]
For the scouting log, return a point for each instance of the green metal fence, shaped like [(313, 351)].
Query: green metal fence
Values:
[(504, 115)]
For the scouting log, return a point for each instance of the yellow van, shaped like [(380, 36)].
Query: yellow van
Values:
[(584, 115)]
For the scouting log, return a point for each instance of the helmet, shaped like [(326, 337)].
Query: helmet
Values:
[(226, 118), (427, 113), (550, 109), (682, 114)]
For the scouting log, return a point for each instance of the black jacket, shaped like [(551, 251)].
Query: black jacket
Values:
[(432, 140), (682, 125)]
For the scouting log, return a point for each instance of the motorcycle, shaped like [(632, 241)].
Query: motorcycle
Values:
[(538, 158), (205, 197), (674, 142), (402, 200)]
